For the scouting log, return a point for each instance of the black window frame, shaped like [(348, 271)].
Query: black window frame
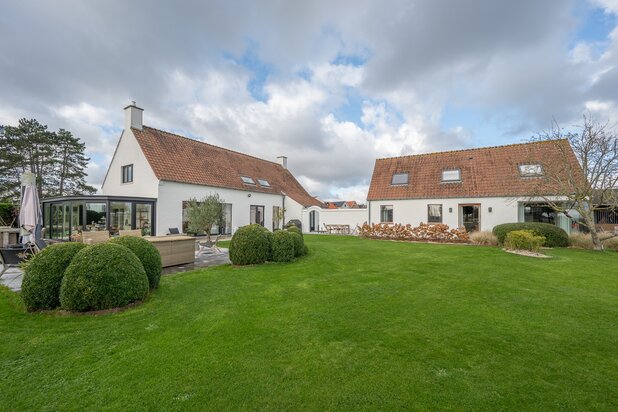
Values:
[(383, 210), (258, 207), (429, 216), (127, 177)]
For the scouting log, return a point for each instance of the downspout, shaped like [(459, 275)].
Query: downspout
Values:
[(283, 210), (369, 212)]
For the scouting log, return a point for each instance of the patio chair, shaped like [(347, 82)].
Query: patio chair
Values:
[(208, 247), (12, 256), (173, 231)]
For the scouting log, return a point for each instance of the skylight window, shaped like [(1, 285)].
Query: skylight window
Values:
[(399, 179), (247, 180), (531, 170), (453, 175), (263, 182)]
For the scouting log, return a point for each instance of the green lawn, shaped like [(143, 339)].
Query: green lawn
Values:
[(357, 324)]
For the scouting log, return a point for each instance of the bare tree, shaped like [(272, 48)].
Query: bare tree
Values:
[(584, 174)]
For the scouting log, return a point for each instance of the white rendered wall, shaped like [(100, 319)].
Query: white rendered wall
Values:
[(145, 183), (414, 211), (172, 194), (351, 217)]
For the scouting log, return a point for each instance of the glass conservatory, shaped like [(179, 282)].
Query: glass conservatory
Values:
[(71, 215)]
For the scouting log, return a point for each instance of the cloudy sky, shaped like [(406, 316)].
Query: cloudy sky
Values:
[(331, 84)]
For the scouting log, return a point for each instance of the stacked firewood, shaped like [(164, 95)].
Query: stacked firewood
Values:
[(423, 232)]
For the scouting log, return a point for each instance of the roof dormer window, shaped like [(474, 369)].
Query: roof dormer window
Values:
[(263, 182), (452, 175), (531, 170), (247, 180), (399, 179)]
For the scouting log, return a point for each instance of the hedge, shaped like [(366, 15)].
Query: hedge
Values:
[(251, 245), (524, 240), (554, 236), (43, 275), (103, 276), (284, 246), (147, 253)]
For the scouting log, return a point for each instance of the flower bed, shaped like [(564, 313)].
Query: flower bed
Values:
[(424, 232)]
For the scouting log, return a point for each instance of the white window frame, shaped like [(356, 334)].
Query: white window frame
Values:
[(263, 182), (531, 170), (406, 174), (450, 171), (392, 210), (247, 180)]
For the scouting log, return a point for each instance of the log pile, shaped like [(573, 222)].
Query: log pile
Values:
[(424, 232)]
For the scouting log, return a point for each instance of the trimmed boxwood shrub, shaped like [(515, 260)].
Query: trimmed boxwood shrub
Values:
[(147, 253), (554, 236), (299, 243), (294, 229), (103, 276), (283, 249), (43, 273), (250, 245)]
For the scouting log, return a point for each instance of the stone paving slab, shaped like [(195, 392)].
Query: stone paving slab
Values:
[(12, 279)]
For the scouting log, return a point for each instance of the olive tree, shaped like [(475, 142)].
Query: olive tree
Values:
[(202, 215)]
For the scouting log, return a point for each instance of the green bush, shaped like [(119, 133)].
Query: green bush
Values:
[(294, 229), (7, 211), (103, 276), (299, 243), (524, 240), (554, 236), (251, 245), (43, 273), (283, 248), (147, 253)]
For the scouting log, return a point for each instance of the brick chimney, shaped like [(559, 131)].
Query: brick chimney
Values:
[(283, 161), (133, 116)]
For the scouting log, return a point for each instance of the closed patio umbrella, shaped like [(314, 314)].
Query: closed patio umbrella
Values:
[(30, 211)]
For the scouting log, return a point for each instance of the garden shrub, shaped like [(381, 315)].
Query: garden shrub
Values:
[(554, 236), (580, 240), (299, 243), (294, 223), (424, 232), (43, 275), (524, 240), (147, 253), (284, 246), (103, 276), (484, 238), (611, 243), (250, 245)]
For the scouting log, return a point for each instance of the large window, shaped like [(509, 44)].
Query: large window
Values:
[(96, 215), (256, 215), (386, 214), (276, 217), (538, 212), (434, 213), (399, 179), (224, 227), (127, 174), (119, 217), (143, 218)]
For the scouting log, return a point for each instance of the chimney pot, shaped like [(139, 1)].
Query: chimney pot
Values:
[(283, 161), (133, 116)]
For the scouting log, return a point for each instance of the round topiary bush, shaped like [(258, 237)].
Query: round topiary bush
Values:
[(250, 245), (147, 253), (103, 276), (299, 243), (283, 249), (40, 288), (554, 236), (295, 229)]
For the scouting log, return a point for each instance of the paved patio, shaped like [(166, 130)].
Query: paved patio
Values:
[(12, 278)]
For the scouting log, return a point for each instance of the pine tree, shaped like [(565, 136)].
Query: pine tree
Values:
[(57, 160)]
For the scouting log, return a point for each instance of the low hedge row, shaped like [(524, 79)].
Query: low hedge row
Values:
[(554, 236), (254, 244)]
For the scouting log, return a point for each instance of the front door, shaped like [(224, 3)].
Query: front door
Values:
[(470, 217), (313, 221)]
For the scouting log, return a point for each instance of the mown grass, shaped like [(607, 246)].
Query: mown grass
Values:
[(357, 324)]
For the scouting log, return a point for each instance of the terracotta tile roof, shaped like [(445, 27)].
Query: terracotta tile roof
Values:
[(488, 171), (180, 159)]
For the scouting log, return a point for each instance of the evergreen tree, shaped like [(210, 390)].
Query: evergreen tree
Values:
[(57, 160)]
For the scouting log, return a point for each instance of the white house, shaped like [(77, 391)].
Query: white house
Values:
[(172, 169), (476, 188)]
